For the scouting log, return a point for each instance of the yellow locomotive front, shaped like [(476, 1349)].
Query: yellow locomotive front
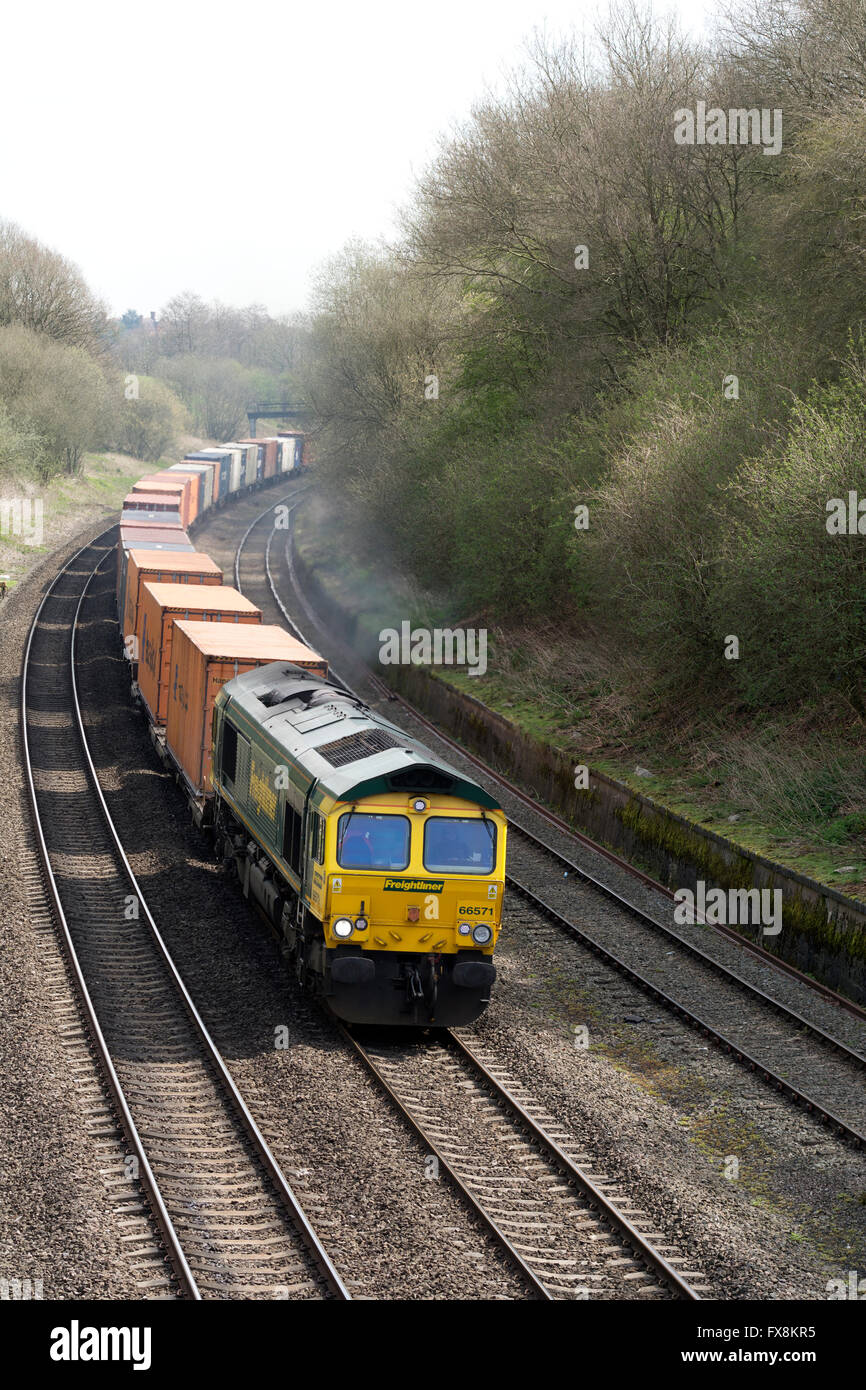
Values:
[(381, 867), (410, 898)]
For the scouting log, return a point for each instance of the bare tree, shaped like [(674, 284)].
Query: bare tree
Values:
[(183, 324), (215, 390), (43, 291)]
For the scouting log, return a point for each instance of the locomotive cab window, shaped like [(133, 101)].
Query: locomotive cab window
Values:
[(317, 837), (453, 844), (372, 842), (292, 838), (230, 751)]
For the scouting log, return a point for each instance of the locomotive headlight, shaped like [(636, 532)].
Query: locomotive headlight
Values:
[(481, 934), (361, 924), (419, 804), (343, 927), (464, 929)]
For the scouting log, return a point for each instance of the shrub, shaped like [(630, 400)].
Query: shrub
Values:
[(57, 392), (148, 425)]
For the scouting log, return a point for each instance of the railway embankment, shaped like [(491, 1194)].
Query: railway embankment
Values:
[(818, 929)]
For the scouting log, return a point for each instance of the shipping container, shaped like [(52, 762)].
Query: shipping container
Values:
[(204, 656), (159, 567), (204, 472), (181, 488), (222, 459), (216, 474), (259, 445), (161, 605), (194, 493), (292, 441), (252, 458), (145, 538), (153, 516), (196, 487), (249, 454), (270, 448), (147, 501), (230, 455), (150, 509), (238, 462)]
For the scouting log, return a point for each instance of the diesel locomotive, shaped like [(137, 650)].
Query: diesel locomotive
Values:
[(381, 868)]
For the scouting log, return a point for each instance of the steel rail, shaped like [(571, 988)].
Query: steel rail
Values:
[(176, 1256), (247, 1122), (574, 1171), (657, 1260), (281, 501), (543, 1141), (707, 1029), (469, 1197)]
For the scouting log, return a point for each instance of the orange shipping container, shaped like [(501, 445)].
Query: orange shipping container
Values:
[(204, 656), (196, 479), (161, 605), (145, 537), (168, 485), (148, 501), (271, 446), (218, 494), (161, 567)]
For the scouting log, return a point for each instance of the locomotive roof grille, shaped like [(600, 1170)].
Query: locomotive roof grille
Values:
[(353, 747)]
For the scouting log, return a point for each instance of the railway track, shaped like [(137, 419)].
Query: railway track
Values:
[(514, 1166), (569, 1229), (811, 1066), (227, 1223)]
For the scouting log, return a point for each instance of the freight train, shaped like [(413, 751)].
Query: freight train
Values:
[(380, 868)]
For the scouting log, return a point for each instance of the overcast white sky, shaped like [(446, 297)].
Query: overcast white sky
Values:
[(230, 148)]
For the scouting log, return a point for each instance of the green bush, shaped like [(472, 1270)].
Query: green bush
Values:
[(658, 541), (59, 393), (794, 593), (149, 423), (21, 449)]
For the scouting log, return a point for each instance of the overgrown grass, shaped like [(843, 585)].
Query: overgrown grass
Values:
[(68, 503)]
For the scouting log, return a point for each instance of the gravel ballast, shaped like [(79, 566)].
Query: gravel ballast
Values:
[(60, 1219)]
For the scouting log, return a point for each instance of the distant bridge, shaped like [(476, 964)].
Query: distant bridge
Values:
[(265, 410)]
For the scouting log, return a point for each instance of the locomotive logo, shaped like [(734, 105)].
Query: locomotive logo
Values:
[(413, 885), (263, 796)]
